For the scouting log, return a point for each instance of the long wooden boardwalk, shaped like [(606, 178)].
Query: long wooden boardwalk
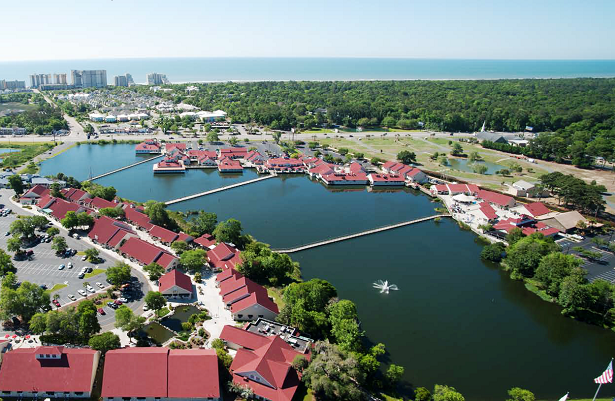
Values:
[(351, 236), (124, 168), (213, 191)]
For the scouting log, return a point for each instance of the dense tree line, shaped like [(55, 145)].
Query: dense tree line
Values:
[(72, 325), (39, 120), (505, 105), (574, 192), (539, 261)]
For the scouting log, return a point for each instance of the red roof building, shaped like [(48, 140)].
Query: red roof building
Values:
[(175, 284), (48, 372), (488, 211), (98, 203), (536, 209), (267, 368), (233, 153), (147, 147), (206, 241), (110, 232), (229, 165), (182, 236), (320, 170), (138, 218), (172, 146), (34, 194), (227, 274), (162, 234), (60, 207), (285, 165), (146, 253), (496, 198), (246, 299), (385, 179), (75, 195), (160, 373), (224, 256)]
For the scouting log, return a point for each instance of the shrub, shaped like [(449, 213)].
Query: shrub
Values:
[(492, 252)]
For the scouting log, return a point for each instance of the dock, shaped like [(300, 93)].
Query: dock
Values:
[(213, 191), (124, 168), (361, 234)]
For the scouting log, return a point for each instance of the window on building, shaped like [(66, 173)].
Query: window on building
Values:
[(261, 316), (239, 316), (78, 392), (51, 392), (250, 316)]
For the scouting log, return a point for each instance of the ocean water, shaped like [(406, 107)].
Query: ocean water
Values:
[(279, 69)]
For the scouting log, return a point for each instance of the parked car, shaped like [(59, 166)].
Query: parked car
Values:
[(145, 307), (56, 303), (123, 300), (88, 270), (81, 275), (6, 234), (113, 305), (101, 311), (90, 288), (70, 265), (61, 267), (100, 285), (43, 286), (84, 258), (118, 302), (71, 297), (82, 292)]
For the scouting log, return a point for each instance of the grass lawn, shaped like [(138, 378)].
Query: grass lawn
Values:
[(95, 272), (55, 288), (163, 312), (276, 294)]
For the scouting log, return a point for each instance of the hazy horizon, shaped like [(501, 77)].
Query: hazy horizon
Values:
[(418, 29)]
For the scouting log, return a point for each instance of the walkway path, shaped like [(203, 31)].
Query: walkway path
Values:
[(351, 236), (124, 168), (213, 191)]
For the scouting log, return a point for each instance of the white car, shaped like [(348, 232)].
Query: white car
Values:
[(71, 297), (61, 267), (123, 300), (100, 285), (145, 307), (70, 265), (90, 288), (82, 292), (84, 258)]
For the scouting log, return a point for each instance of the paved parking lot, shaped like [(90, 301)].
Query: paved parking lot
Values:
[(602, 268), (43, 268)]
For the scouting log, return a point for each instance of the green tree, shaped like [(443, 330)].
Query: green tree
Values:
[(194, 260), (55, 190), (422, 394), (233, 141), (492, 252), (126, 320), (525, 255), (13, 244), (553, 269), (70, 220), (457, 150), (446, 393), (179, 247), (9, 280), (514, 236), (212, 137), (59, 245), (155, 300), (16, 184), (53, 231), (276, 137), (154, 270), (38, 323), (118, 273), (573, 295), (475, 156), (25, 301), (105, 342), (92, 254), (394, 374), (6, 265), (300, 363), (344, 325), (157, 213), (406, 157), (85, 220), (204, 223), (197, 277), (113, 212), (88, 322), (519, 394), (229, 231), (23, 228)]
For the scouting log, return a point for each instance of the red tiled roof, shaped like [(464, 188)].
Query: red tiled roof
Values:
[(150, 146), (494, 197), (229, 164), (205, 240), (163, 234), (388, 164), (193, 374), (178, 146), (74, 194), (224, 256), (106, 228), (243, 338), (386, 178), (45, 201), (21, 371), (182, 236), (356, 168), (100, 203), (473, 188), (227, 274), (166, 260), (488, 211), (441, 188), (172, 278), (457, 188), (537, 209), (136, 372)]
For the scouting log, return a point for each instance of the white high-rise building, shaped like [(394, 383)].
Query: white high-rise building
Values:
[(89, 78), (120, 80), (154, 78), (37, 80), (59, 79), (129, 79)]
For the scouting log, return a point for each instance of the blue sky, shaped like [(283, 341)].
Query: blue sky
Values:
[(496, 29)]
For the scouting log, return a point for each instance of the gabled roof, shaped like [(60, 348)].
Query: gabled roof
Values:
[(74, 194), (106, 228), (488, 211), (182, 236), (178, 146), (222, 252), (36, 191), (138, 218), (166, 259), (60, 207), (243, 338), (22, 371), (494, 197), (100, 203), (140, 250), (163, 234), (258, 297), (174, 278), (135, 372), (205, 240), (193, 374), (228, 274), (537, 209)]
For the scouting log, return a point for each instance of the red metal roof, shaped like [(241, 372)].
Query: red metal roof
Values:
[(488, 211), (494, 197), (138, 218), (178, 146), (166, 260), (458, 188), (100, 203), (60, 207), (227, 274), (537, 209), (136, 372), (182, 236), (243, 338), (106, 228), (21, 371), (37, 191), (140, 250), (193, 374), (258, 297), (205, 240), (172, 278), (163, 234)]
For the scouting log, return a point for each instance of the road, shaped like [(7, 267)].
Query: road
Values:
[(43, 269)]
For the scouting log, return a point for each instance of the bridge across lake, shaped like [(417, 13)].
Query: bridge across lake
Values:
[(213, 191), (361, 234), (124, 168)]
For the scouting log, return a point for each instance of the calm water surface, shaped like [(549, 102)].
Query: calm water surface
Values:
[(455, 320)]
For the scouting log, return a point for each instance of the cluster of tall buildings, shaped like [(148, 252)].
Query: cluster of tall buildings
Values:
[(124, 80), (89, 78), (154, 78), (12, 85), (38, 80)]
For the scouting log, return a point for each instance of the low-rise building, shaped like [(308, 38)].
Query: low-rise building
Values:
[(48, 372), (224, 256), (145, 253), (228, 165), (143, 373), (385, 180), (149, 146), (175, 284), (495, 198)]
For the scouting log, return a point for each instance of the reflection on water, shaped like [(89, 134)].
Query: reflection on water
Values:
[(468, 166)]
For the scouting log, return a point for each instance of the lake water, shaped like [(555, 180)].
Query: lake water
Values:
[(276, 69), (455, 320), (467, 165)]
